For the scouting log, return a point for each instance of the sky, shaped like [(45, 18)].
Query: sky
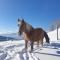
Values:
[(38, 13)]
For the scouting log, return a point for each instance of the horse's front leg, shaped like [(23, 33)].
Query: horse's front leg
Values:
[(32, 45), (26, 44)]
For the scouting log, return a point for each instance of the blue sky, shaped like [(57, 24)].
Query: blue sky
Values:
[(38, 13)]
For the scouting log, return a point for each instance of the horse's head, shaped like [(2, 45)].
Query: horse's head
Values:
[(22, 26)]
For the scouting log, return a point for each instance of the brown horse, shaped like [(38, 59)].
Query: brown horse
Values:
[(31, 34)]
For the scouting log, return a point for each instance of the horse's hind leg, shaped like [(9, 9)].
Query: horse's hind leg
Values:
[(38, 44), (41, 43)]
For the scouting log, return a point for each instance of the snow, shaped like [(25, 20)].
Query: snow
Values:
[(14, 50), (53, 35)]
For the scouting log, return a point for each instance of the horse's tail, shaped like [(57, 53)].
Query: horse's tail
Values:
[(46, 37)]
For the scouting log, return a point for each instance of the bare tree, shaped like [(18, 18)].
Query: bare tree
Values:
[(52, 27), (57, 23)]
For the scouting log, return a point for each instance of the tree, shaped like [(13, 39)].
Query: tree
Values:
[(57, 27), (52, 28)]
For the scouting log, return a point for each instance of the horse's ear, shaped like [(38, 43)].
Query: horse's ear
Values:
[(22, 20), (18, 20)]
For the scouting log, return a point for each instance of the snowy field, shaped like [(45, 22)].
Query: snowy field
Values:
[(14, 50)]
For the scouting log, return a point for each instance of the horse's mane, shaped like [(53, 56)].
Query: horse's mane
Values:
[(29, 27)]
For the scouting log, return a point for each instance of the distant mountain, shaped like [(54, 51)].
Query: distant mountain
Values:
[(3, 38), (11, 36)]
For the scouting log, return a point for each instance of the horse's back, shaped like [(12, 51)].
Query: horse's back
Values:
[(37, 31), (37, 34)]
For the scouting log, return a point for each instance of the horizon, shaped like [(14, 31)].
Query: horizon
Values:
[(40, 13)]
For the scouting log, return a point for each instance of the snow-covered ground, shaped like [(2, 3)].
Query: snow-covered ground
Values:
[(14, 50), (53, 35)]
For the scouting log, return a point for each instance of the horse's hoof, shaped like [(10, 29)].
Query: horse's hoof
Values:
[(30, 51)]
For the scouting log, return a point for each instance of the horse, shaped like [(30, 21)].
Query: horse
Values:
[(31, 34)]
